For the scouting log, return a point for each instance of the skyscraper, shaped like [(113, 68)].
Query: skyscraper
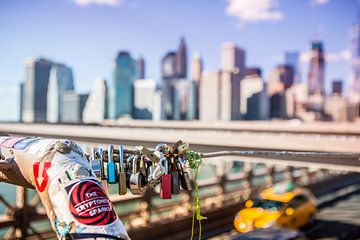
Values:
[(35, 90), (181, 60), (196, 72), (316, 77), (169, 78), (144, 97), (355, 62), (96, 106), (209, 96), (60, 79), (292, 59), (337, 87), (233, 68), (280, 79), (140, 68), (121, 92), (253, 102), (196, 68)]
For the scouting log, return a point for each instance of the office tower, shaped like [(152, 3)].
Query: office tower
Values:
[(121, 91), (296, 98), (70, 111), (60, 79), (355, 62), (95, 110), (169, 77), (337, 87), (253, 96), (209, 96), (196, 71), (316, 77), (21, 105), (181, 60), (158, 108), (35, 90), (144, 97), (335, 107), (292, 59), (180, 96), (281, 78), (140, 68), (233, 68), (196, 68)]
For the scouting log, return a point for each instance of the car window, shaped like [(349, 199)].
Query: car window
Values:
[(298, 201)]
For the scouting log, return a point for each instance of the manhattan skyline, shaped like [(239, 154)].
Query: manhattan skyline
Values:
[(88, 37)]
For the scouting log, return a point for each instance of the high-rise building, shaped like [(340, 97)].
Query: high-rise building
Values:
[(281, 79), (253, 96), (144, 97), (209, 96), (60, 79), (95, 110), (355, 62), (169, 78), (72, 106), (121, 92), (35, 90), (296, 98), (140, 68), (292, 59), (181, 60), (337, 87), (196, 68), (196, 72), (233, 68), (158, 109), (316, 77), (180, 96)]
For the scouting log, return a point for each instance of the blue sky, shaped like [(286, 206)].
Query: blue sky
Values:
[(87, 34)]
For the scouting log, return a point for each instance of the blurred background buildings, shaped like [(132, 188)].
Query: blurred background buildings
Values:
[(186, 89)]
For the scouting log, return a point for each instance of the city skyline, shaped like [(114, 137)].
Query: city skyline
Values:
[(335, 36)]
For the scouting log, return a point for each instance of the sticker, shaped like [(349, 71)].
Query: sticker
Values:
[(22, 144), (40, 175), (89, 204), (11, 141), (3, 139)]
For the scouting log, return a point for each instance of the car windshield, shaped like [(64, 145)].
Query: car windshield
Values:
[(268, 204)]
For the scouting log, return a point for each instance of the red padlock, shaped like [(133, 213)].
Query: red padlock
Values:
[(165, 191)]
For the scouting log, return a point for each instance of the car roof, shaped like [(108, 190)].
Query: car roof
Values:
[(282, 192)]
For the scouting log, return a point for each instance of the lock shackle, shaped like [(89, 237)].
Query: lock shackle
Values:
[(110, 153), (121, 158), (134, 164)]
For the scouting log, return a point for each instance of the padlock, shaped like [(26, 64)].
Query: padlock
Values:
[(159, 169), (149, 175), (165, 190), (103, 165), (96, 163), (136, 180), (142, 168), (181, 149), (175, 180), (111, 167), (153, 156), (122, 174), (184, 178), (103, 170)]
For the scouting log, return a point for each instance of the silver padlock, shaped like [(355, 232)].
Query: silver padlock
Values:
[(152, 155), (150, 181), (160, 169), (136, 180)]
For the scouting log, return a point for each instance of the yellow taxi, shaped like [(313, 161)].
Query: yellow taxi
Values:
[(284, 205)]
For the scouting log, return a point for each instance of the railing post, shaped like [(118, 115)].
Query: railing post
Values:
[(22, 218)]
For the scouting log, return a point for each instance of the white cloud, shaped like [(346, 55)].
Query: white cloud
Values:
[(319, 2), (97, 2), (250, 11), (343, 55)]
